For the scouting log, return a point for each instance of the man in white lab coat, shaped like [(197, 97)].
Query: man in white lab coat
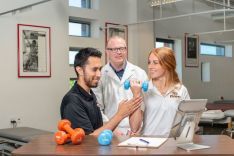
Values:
[(110, 90)]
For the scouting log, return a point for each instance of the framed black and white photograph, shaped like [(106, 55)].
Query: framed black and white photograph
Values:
[(113, 29), (191, 50), (34, 56)]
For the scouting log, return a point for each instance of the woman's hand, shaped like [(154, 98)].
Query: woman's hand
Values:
[(136, 87)]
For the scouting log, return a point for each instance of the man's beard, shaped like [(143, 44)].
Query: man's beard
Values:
[(89, 82)]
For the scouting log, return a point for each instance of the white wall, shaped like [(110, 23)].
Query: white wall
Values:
[(124, 11), (35, 101), (142, 36)]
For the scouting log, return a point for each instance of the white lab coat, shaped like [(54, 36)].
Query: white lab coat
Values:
[(110, 91)]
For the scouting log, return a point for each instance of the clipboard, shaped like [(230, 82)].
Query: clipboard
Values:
[(144, 142)]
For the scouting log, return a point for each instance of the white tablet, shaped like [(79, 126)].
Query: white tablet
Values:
[(187, 119), (192, 105), (188, 110)]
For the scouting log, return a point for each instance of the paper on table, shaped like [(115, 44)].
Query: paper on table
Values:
[(148, 142)]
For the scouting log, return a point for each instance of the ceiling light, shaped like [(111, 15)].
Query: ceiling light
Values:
[(161, 2)]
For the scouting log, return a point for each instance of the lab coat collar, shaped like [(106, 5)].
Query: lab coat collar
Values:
[(128, 72)]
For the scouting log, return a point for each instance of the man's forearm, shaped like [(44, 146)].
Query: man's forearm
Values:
[(111, 125)]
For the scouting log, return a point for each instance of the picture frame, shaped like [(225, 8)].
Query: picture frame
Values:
[(191, 50), (113, 29), (34, 51)]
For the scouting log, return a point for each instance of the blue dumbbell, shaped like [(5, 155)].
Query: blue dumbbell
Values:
[(105, 137), (144, 85)]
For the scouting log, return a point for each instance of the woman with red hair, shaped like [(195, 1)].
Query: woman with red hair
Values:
[(164, 93)]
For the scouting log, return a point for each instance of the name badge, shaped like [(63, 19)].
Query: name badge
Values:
[(174, 95)]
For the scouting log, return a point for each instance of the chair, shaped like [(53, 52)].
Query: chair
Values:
[(230, 130)]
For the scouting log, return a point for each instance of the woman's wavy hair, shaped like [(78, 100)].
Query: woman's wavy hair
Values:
[(166, 58)]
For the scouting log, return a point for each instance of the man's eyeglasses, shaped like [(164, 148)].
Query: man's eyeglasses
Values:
[(115, 50)]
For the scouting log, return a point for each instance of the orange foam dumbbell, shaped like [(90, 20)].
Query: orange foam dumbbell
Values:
[(61, 137), (80, 131), (77, 135)]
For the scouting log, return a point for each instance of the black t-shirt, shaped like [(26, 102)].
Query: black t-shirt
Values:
[(81, 109)]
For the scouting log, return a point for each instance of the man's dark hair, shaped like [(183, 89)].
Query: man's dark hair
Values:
[(83, 55)]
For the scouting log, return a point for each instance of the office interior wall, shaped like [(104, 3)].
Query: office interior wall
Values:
[(221, 68), (34, 100), (123, 13), (144, 34)]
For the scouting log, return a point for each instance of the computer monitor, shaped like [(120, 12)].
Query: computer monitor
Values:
[(186, 121)]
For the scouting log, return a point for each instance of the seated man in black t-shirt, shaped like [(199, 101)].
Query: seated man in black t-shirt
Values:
[(79, 105)]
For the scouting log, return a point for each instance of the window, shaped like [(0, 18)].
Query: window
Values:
[(72, 54), (164, 43), (80, 3), (78, 28), (212, 49)]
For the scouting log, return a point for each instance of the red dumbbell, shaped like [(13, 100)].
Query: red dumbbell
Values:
[(61, 137), (77, 135), (80, 131)]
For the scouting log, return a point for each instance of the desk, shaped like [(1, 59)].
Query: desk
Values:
[(44, 145)]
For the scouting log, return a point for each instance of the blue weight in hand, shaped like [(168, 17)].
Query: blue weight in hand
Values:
[(144, 86), (105, 137), (127, 84)]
